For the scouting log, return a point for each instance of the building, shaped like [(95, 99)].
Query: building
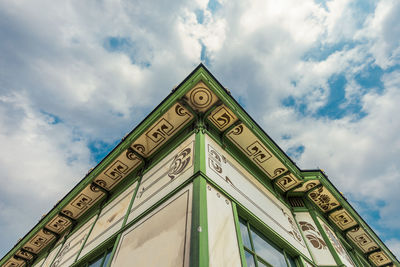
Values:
[(199, 183)]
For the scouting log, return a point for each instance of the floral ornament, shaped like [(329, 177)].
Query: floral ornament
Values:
[(313, 235), (322, 200), (179, 163), (316, 241)]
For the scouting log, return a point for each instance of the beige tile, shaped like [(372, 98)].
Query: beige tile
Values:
[(39, 241), (379, 258), (287, 182), (342, 219), (83, 201), (256, 151), (163, 129), (201, 98), (14, 263), (362, 239), (323, 199), (307, 186), (120, 168), (222, 117), (58, 224)]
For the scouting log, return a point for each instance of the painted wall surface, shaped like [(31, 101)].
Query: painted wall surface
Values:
[(222, 239), (162, 238), (71, 247), (110, 220), (344, 257), (164, 177), (248, 191), (314, 239)]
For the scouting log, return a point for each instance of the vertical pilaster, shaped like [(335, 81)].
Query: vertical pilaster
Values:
[(199, 232)]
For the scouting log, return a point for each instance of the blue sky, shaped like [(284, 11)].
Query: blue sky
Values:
[(321, 77)]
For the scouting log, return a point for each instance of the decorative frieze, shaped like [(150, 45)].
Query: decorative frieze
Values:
[(256, 151), (39, 241), (13, 262), (126, 162), (379, 258), (162, 130), (362, 239), (342, 219), (323, 199), (222, 117), (200, 98), (83, 201), (308, 185), (58, 224), (287, 182)]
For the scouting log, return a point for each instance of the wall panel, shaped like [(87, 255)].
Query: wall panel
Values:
[(162, 238), (234, 179)]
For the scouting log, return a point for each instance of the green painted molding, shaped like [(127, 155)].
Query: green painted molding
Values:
[(238, 234), (199, 229)]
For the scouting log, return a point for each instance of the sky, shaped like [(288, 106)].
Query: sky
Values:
[(322, 78)]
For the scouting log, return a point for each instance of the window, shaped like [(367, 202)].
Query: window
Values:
[(259, 251), (102, 260)]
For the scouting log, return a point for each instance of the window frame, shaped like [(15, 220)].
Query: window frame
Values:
[(257, 258)]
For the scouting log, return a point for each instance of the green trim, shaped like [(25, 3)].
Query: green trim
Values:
[(302, 235), (93, 254), (325, 237), (87, 236), (239, 235), (114, 249), (199, 233), (128, 211), (199, 156)]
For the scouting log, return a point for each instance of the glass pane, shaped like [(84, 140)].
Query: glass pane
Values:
[(261, 264), (108, 258), (97, 262), (266, 251), (245, 234), (249, 259)]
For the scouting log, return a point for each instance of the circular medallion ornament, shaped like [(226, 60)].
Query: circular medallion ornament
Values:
[(200, 98)]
